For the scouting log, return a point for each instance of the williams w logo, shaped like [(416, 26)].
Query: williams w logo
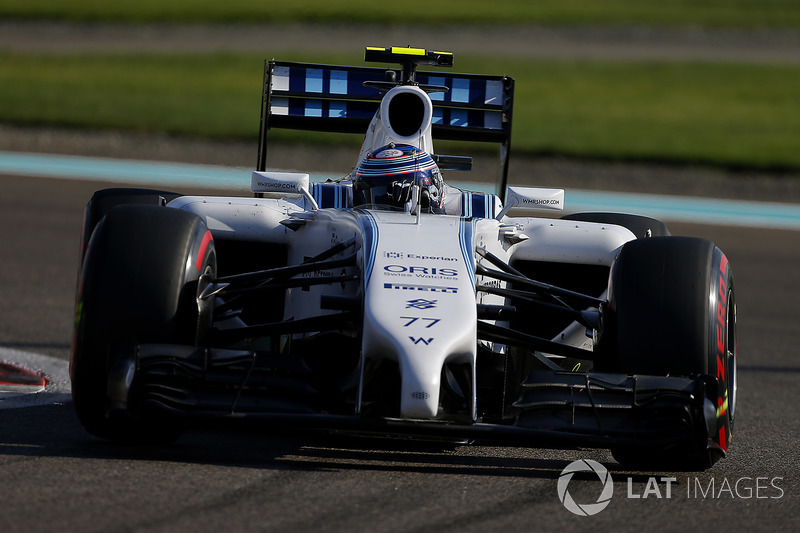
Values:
[(426, 342)]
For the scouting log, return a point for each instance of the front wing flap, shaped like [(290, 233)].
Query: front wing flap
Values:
[(554, 409)]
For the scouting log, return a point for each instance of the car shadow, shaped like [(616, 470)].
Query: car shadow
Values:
[(54, 431)]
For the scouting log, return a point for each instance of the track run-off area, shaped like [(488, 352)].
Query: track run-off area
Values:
[(155, 173)]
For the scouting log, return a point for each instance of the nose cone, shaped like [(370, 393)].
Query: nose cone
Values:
[(419, 392), (419, 304)]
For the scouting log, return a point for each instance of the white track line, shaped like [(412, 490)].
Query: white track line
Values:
[(58, 390)]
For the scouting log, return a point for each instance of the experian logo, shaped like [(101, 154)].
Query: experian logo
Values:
[(401, 255)]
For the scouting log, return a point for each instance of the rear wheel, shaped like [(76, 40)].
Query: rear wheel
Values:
[(139, 284), (639, 225), (672, 311)]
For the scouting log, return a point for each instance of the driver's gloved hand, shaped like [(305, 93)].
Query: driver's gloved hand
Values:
[(400, 192)]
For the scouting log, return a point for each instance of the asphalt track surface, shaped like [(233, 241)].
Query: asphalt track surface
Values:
[(56, 477)]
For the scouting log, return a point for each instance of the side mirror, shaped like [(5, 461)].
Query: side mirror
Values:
[(283, 182), (452, 162), (521, 201)]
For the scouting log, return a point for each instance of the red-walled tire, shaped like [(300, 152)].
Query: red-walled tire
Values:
[(672, 311), (139, 284)]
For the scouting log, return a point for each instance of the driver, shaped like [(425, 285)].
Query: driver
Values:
[(386, 177)]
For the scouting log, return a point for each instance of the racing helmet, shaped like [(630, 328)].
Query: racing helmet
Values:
[(387, 174)]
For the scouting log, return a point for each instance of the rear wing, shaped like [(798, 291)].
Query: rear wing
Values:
[(332, 98)]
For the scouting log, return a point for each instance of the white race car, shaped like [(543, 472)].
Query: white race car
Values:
[(389, 303)]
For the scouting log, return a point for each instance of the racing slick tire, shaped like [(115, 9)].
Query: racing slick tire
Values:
[(639, 225), (104, 200), (672, 311), (139, 284)]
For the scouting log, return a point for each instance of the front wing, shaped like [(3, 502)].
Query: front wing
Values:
[(554, 410)]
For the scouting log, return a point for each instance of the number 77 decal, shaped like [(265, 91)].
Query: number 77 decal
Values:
[(412, 319)]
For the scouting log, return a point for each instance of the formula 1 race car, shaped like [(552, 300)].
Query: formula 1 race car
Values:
[(389, 303)]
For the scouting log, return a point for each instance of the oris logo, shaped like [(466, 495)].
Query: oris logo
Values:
[(421, 271)]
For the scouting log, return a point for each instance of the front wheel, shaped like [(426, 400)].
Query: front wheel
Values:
[(105, 200), (672, 312), (139, 284)]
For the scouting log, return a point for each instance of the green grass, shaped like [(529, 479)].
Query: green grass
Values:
[(710, 13), (732, 115), (720, 114), (205, 96)]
